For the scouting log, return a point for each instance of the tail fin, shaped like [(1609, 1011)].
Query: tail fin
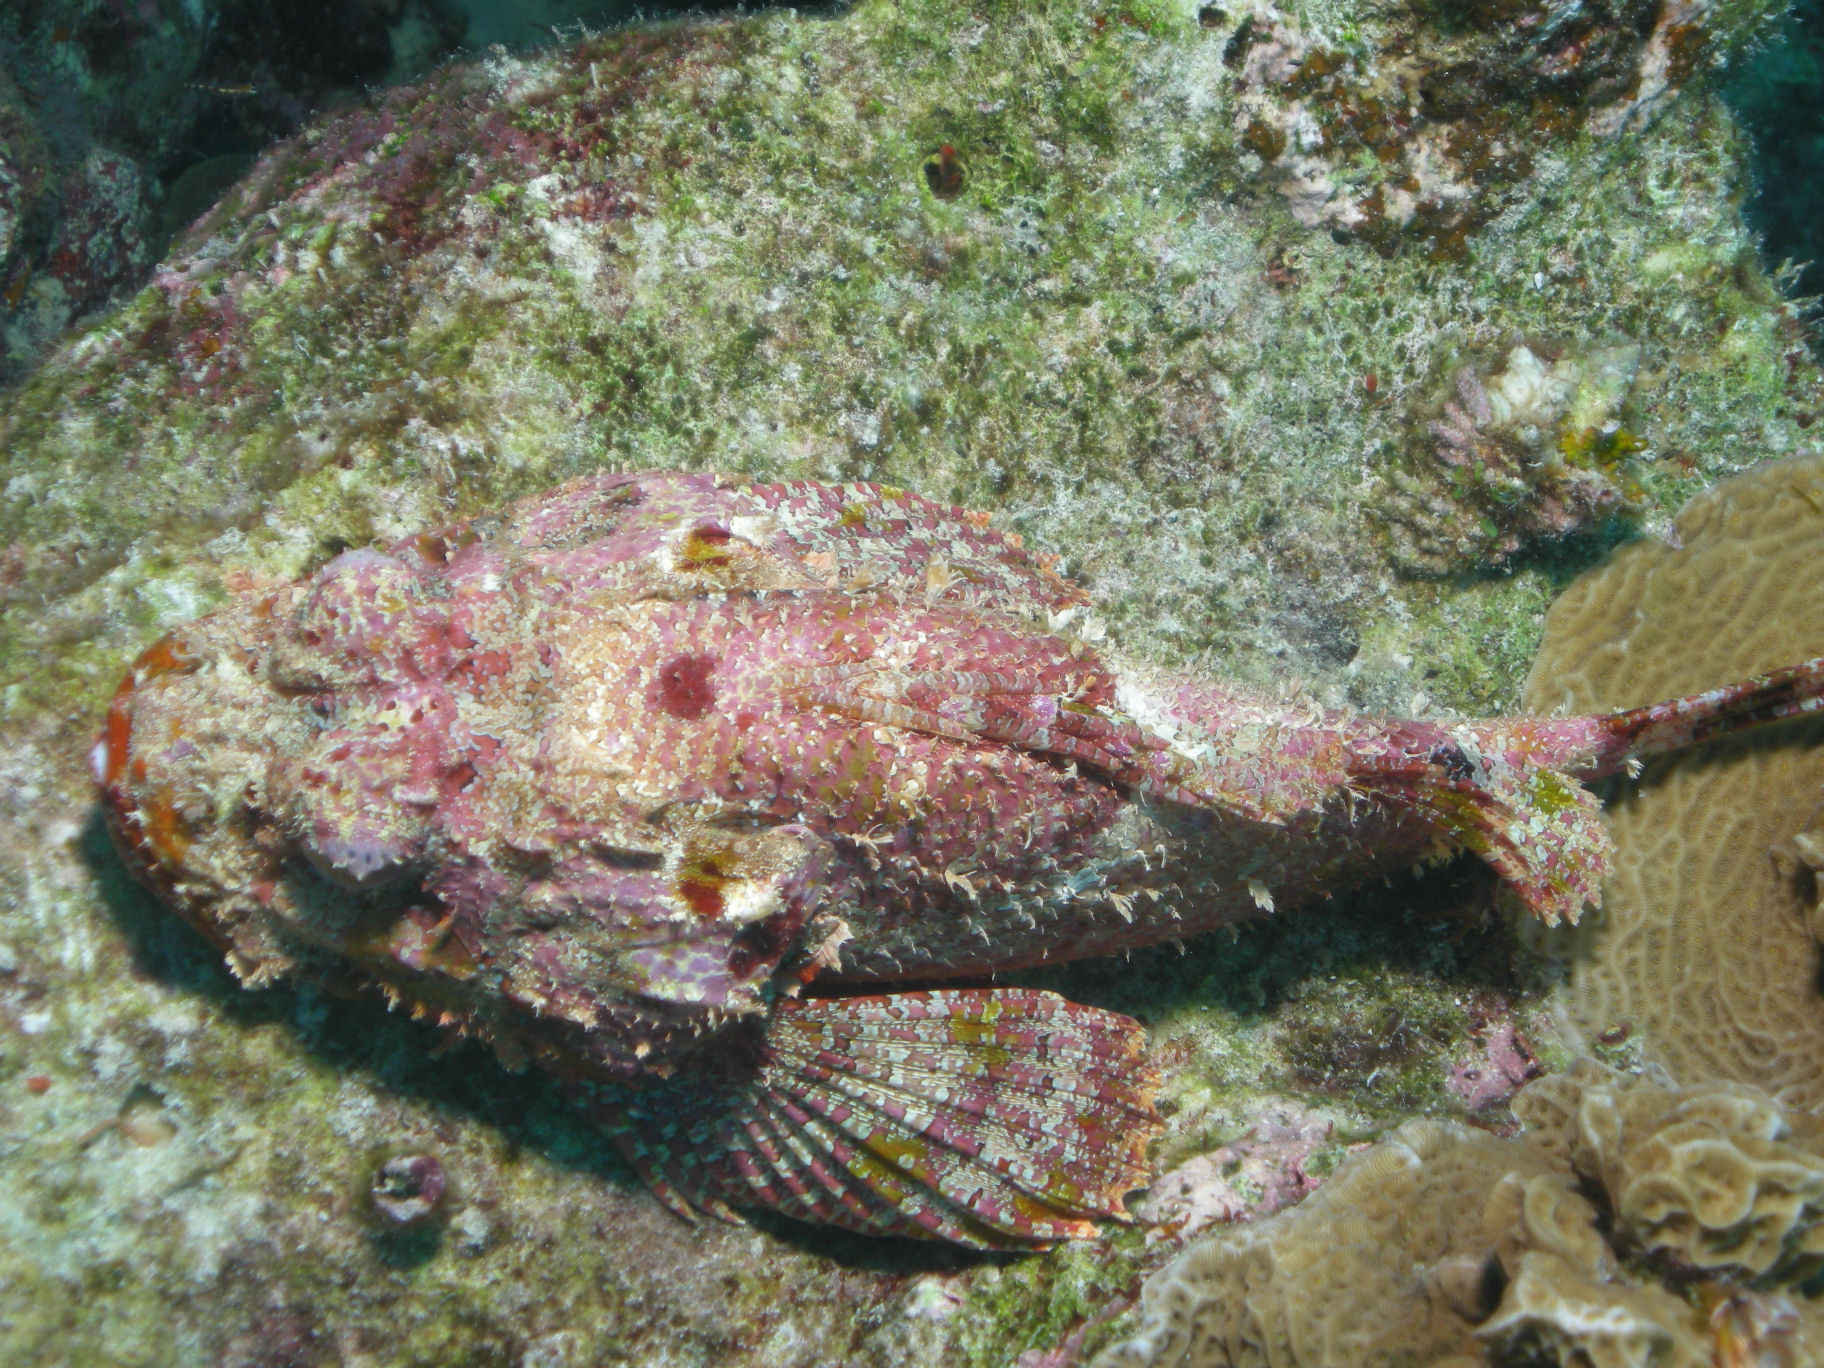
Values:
[(995, 1118), (1539, 828), (1597, 745), (1509, 789)]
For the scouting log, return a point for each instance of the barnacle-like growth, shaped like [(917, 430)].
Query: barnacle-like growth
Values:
[(1449, 1247), (1527, 451), (1706, 946)]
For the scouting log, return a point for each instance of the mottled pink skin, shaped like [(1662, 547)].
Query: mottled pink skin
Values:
[(600, 770), (562, 786), (607, 777)]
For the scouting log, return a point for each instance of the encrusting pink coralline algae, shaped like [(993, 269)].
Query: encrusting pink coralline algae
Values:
[(662, 781)]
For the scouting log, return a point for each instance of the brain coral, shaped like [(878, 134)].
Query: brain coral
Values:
[(1716, 1179), (1388, 1262), (1706, 946), (1449, 1247)]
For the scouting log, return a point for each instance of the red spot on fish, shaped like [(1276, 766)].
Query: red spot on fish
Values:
[(119, 734), (703, 895), (685, 686), (163, 827), (476, 669), (38, 1085), (164, 656), (431, 548)]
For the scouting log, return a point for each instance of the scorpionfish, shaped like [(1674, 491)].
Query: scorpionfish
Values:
[(663, 781)]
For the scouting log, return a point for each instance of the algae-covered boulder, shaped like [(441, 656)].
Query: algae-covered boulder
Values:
[(1190, 357), (1306, 335)]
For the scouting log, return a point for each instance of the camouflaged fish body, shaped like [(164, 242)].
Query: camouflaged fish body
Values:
[(639, 778)]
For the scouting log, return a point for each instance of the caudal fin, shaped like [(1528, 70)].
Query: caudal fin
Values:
[(1518, 801), (1540, 829), (995, 1118), (1596, 745), (1642, 733)]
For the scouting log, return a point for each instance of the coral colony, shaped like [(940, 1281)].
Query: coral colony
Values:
[(664, 781), (1707, 946), (1569, 1244)]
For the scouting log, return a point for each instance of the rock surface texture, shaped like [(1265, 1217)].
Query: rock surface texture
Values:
[(1207, 301), (120, 123)]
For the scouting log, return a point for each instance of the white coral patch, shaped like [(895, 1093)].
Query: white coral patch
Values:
[(1526, 393)]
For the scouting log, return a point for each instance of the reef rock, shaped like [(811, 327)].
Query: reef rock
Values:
[(116, 119)]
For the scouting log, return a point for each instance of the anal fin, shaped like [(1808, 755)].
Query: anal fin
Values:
[(995, 1118)]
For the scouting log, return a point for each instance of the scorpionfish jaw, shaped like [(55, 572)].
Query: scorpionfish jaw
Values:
[(173, 765)]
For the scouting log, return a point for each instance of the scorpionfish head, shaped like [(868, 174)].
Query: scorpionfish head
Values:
[(272, 775), (347, 781)]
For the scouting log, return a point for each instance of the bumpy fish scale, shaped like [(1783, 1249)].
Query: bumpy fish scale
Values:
[(989, 1117)]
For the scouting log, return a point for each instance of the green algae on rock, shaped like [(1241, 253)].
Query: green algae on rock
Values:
[(716, 243)]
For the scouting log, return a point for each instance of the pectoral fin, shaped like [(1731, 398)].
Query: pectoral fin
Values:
[(995, 1118)]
